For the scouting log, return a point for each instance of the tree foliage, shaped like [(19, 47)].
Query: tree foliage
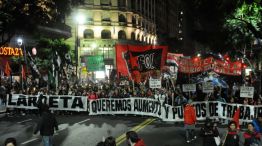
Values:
[(245, 23), (216, 23), (46, 50), (25, 15)]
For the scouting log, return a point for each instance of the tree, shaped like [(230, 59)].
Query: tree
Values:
[(245, 23), (47, 49), (214, 24), (26, 15)]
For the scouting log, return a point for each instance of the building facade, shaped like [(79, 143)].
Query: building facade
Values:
[(106, 23)]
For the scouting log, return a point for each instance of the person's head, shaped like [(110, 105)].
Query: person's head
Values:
[(250, 127), (101, 143), (232, 125), (110, 141), (208, 123), (232, 100), (131, 137), (10, 141)]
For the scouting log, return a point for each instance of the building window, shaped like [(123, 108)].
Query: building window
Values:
[(88, 34), (121, 35), (105, 2), (121, 3), (134, 21), (138, 37), (106, 34), (122, 18), (139, 22), (133, 36), (106, 16), (133, 4), (89, 2)]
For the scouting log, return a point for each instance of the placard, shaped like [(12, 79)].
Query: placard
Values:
[(246, 92), (207, 87), (155, 83), (189, 87)]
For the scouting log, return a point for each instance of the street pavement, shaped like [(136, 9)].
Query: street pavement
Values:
[(84, 130)]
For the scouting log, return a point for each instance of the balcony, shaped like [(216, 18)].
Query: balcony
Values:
[(56, 30), (106, 23)]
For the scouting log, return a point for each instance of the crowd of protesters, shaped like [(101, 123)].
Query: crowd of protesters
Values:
[(170, 93), (124, 88)]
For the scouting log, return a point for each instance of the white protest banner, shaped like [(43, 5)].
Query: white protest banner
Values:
[(55, 102), (154, 83), (2, 108), (207, 87), (152, 107), (247, 92), (189, 87)]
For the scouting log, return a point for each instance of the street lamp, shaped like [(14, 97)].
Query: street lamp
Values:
[(20, 44), (79, 20)]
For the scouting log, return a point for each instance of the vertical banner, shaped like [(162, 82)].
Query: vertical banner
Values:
[(155, 83), (189, 87), (122, 60), (246, 92)]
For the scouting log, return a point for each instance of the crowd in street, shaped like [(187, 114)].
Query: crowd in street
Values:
[(171, 94)]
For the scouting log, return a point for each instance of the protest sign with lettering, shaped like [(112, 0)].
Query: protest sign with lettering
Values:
[(207, 87), (55, 102), (247, 92), (154, 83), (189, 87)]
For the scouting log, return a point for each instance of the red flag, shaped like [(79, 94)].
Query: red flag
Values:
[(236, 117), (7, 69), (23, 73)]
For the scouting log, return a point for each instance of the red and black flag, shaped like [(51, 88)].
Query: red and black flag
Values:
[(136, 60)]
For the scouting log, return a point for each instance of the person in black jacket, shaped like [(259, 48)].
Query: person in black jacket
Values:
[(46, 126), (208, 133), (232, 136), (40, 104)]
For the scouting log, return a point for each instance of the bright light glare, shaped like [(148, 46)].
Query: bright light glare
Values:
[(80, 19), (19, 41), (93, 45), (198, 55), (100, 74)]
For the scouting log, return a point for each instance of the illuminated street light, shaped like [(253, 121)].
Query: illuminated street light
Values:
[(79, 20), (198, 55), (20, 42)]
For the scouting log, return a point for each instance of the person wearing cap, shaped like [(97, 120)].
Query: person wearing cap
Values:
[(133, 139), (258, 123), (189, 121)]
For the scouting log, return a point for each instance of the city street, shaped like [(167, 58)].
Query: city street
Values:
[(84, 130)]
